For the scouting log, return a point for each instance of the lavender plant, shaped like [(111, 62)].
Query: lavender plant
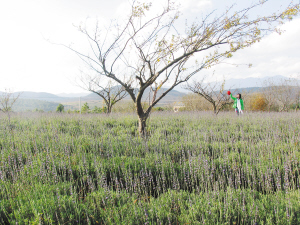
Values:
[(192, 168)]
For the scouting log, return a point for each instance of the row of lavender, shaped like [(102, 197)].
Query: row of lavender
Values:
[(190, 168)]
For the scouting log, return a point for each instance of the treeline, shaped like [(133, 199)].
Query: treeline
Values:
[(276, 96), (121, 107), (282, 96)]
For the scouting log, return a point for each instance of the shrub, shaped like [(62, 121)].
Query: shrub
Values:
[(258, 102)]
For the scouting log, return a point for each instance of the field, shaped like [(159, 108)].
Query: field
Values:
[(193, 168)]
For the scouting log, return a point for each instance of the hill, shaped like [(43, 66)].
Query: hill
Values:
[(48, 102), (43, 96), (252, 81), (72, 95), (33, 104), (172, 96)]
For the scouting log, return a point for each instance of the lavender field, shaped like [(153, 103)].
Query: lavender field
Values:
[(193, 168)]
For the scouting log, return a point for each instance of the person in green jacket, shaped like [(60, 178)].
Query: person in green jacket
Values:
[(238, 104)]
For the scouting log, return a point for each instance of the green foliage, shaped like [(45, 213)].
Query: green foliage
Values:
[(60, 108), (38, 110), (85, 108), (160, 109), (193, 168), (97, 110)]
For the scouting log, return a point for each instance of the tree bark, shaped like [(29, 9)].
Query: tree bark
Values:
[(142, 125), (143, 116), (215, 109), (108, 111)]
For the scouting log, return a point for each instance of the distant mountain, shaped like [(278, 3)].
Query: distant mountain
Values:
[(33, 104), (181, 89), (248, 82), (73, 95), (48, 102), (251, 81), (43, 96), (247, 90), (172, 96)]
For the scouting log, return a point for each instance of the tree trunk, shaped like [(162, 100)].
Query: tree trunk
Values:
[(108, 111), (143, 115), (142, 125), (215, 109)]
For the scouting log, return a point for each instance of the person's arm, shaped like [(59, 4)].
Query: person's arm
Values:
[(242, 104), (232, 97)]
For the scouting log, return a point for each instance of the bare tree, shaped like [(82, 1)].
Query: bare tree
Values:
[(286, 93), (109, 91), (149, 50), (195, 102), (269, 91), (282, 93), (7, 100), (297, 94), (213, 92)]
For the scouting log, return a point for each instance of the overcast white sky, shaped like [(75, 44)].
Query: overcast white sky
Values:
[(28, 62)]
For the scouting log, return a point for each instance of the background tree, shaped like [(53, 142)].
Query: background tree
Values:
[(269, 92), (149, 50), (258, 102), (286, 93), (85, 108), (195, 102), (126, 106), (7, 100), (213, 92), (60, 108), (97, 110), (109, 91), (297, 99), (281, 94), (38, 110)]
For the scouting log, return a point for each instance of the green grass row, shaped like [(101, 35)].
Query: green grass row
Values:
[(192, 168)]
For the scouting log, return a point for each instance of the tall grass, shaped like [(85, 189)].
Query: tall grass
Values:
[(192, 168)]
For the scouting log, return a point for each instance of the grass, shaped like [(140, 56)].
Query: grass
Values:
[(193, 168)]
